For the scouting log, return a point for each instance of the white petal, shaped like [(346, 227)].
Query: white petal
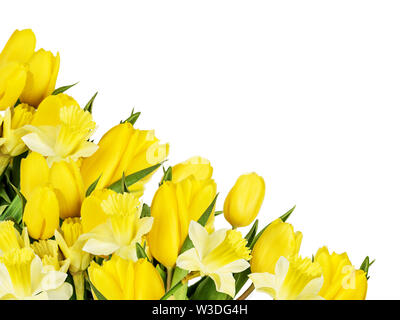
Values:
[(52, 280), (199, 236), (6, 286), (281, 270), (224, 282), (144, 226), (311, 290), (214, 240), (63, 292), (189, 260), (34, 143), (36, 274), (265, 282), (99, 247), (128, 252), (235, 266), (86, 149)]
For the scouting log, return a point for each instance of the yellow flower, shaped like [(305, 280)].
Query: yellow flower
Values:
[(294, 279), (123, 149), (47, 250), (41, 213), (13, 71), (341, 280), (278, 239), (64, 177), (41, 79), (199, 167), (244, 200), (24, 73), (173, 207), (71, 245), (122, 229), (22, 277), (216, 255), (66, 137), (120, 279), (92, 212), (10, 237)]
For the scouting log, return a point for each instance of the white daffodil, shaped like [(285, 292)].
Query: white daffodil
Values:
[(122, 229), (216, 255), (22, 277), (294, 279), (10, 237), (65, 140)]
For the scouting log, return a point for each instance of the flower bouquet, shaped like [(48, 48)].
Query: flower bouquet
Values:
[(73, 226)]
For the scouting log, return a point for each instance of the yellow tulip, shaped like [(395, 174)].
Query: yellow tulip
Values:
[(41, 78), (64, 178), (277, 240), (199, 167), (41, 214), (12, 82), (341, 280), (92, 212), (123, 149), (120, 279), (244, 200), (19, 48), (173, 207)]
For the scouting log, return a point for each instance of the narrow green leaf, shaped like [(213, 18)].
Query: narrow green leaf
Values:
[(92, 187), (98, 294), (162, 273), (206, 290), (133, 178), (16, 168), (132, 118), (124, 187), (89, 105), (4, 195), (140, 252), (252, 233), (217, 213), (365, 266), (167, 175), (172, 291), (145, 211), (14, 211), (63, 89), (286, 216)]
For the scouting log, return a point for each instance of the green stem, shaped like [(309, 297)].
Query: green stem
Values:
[(169, 278), (79, 284)]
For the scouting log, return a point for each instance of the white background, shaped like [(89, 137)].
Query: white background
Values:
[(305, 93)]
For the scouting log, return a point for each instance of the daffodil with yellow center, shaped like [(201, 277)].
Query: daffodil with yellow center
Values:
[(66, 138), (13, 130), (47, 250), (71, 246), (121, 279), (342, 281), (22, 277), (216, 255), (294, 279), (10, 237), (122, 229)]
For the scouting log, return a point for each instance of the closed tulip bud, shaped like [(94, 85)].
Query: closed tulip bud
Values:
[(110, 279), (173, 207), (12, 82), (41, 214), (19, 48), (277, 240), (41, 77), (123, 149), (341, 280), (244, 200), (199, 167), (66, 180)]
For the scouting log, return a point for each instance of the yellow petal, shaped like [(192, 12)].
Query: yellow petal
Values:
[(34, 173), (12, 82), (19, 48)]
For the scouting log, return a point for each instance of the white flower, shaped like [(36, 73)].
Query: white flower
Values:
[(216, 255), (294, 279)]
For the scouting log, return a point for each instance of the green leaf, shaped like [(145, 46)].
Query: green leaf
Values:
[(99, 296), (172, 291), (179, 273), (207, 291), (283, 217), (167, 175), (217, 213), (365, 266), (14, 211), (132, 118), (124, 187), (133, 178), (141, 254), (145, 211), (92, 187), (89, 105), (63, 89), (162, 273), (16, 168), (4, 195), (252, 233)]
